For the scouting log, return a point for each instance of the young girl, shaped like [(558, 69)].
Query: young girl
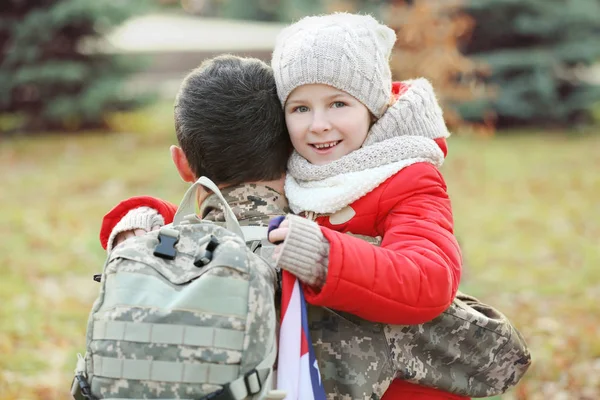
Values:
[(364, 163)]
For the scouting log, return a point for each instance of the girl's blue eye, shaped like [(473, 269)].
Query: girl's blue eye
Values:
[(338, 104), (301, 109)]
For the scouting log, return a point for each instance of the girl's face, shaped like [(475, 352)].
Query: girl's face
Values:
[(325, 123)]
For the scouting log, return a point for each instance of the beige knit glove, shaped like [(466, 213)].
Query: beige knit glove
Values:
[(305, 252), (144, 218)]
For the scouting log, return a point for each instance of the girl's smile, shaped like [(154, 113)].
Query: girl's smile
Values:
[(325, 123)]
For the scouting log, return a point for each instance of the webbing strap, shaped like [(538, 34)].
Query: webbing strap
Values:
[(188, 205), (164, 371), (236, 390), (252, 233), (256, 238), (255, 383), (169, 334)]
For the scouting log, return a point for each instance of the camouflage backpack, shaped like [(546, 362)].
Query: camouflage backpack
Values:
[(186, 312)]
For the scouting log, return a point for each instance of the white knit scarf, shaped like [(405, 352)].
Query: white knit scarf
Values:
[(404, 135)]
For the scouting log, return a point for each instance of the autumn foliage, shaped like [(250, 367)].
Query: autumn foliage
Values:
[(430, 34)]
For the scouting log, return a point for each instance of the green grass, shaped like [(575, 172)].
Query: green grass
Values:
[(526, 212)]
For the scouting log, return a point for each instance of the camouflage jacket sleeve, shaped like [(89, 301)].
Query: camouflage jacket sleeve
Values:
[(471, 350)]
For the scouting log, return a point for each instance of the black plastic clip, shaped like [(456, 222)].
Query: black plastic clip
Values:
[(82, 389), (203, 259), (167, 239), (253, 373), (226, 393)]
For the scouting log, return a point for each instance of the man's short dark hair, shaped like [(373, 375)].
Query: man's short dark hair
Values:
[(229, 121)]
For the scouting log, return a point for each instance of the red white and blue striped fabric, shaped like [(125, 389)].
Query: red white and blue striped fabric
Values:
[(297, 370)]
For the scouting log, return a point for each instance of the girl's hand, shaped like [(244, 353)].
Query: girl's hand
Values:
[(278, 231), (123, 236), (278, 235), (300, 249)]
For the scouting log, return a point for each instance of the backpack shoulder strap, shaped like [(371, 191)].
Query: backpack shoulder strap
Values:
[(188, 206), (254, 233), (257, 241)]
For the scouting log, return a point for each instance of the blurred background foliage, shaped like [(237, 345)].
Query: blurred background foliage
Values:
[(538, 51), (494, 63), (519, 82), (435, 53), (49, 78), (505, 63)]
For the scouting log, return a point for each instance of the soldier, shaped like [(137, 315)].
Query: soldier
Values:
[(230, 128)]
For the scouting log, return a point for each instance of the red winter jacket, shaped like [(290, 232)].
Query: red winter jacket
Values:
[(413, 276)]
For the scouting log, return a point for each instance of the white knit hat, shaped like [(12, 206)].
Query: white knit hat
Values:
[(347, 51)]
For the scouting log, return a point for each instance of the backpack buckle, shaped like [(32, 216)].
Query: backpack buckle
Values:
[(167, 239), (251, 381), (205, 258), (251, 385)]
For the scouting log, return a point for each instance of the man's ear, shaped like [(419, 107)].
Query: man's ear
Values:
[(182, 165)]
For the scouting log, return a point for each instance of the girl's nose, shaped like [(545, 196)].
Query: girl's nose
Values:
[(319, 123)]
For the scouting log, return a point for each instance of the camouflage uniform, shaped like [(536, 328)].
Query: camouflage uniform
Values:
[(471, 349)]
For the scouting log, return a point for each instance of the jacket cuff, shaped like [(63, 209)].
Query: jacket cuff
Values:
[(305, 252), (112, 218), (144, 218)]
